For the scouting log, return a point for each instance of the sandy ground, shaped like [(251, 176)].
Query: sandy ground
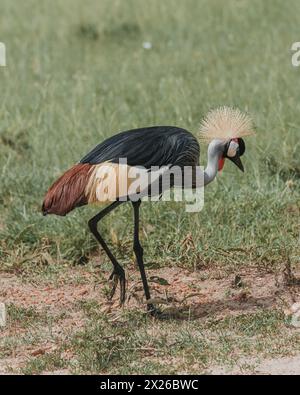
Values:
[(275, 366), (199, 293)]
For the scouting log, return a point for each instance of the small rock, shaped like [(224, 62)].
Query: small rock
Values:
[(295, 320), (294, 314), (295, 307), (147, 45), (2, 315)]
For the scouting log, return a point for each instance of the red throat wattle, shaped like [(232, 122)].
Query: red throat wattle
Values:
[(221, 163)]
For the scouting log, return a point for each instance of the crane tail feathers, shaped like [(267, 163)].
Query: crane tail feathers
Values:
[(85, 184), (68, 191)]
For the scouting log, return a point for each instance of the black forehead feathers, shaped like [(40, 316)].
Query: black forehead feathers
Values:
[(242, 146)]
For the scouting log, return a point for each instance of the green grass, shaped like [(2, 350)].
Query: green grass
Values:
[(27, 328), (77, 73), (24, 316), (71, 83)]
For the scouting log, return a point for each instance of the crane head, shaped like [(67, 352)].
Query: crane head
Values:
[(233, 150), (224, 128)]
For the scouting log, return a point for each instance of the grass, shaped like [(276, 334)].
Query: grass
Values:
[(24, 316), (77, 73), (135, 345), (82, 80)]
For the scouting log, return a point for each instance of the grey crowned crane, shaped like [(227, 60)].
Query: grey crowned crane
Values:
[(159, 146)]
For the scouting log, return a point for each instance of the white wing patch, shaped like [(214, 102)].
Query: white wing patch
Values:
[(110, 181)]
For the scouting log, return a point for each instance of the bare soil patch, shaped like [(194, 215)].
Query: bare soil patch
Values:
[(183, 295)]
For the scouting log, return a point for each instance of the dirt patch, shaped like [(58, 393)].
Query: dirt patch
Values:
[(53, 297), (205, 293), (181, 293)]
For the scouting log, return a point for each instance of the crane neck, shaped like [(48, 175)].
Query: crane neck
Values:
[(214, 154)]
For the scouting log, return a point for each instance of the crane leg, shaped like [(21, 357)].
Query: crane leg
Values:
[(118, 274), (138, 250)]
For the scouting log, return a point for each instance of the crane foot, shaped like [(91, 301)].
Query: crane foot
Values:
[(118, 275), (154, 311)]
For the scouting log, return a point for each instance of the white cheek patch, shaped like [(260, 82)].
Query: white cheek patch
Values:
[(233, 146)]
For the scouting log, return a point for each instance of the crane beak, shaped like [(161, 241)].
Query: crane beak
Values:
[(237, 161)]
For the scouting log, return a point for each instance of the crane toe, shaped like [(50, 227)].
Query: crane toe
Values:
[(118, 276), (154, 311)]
